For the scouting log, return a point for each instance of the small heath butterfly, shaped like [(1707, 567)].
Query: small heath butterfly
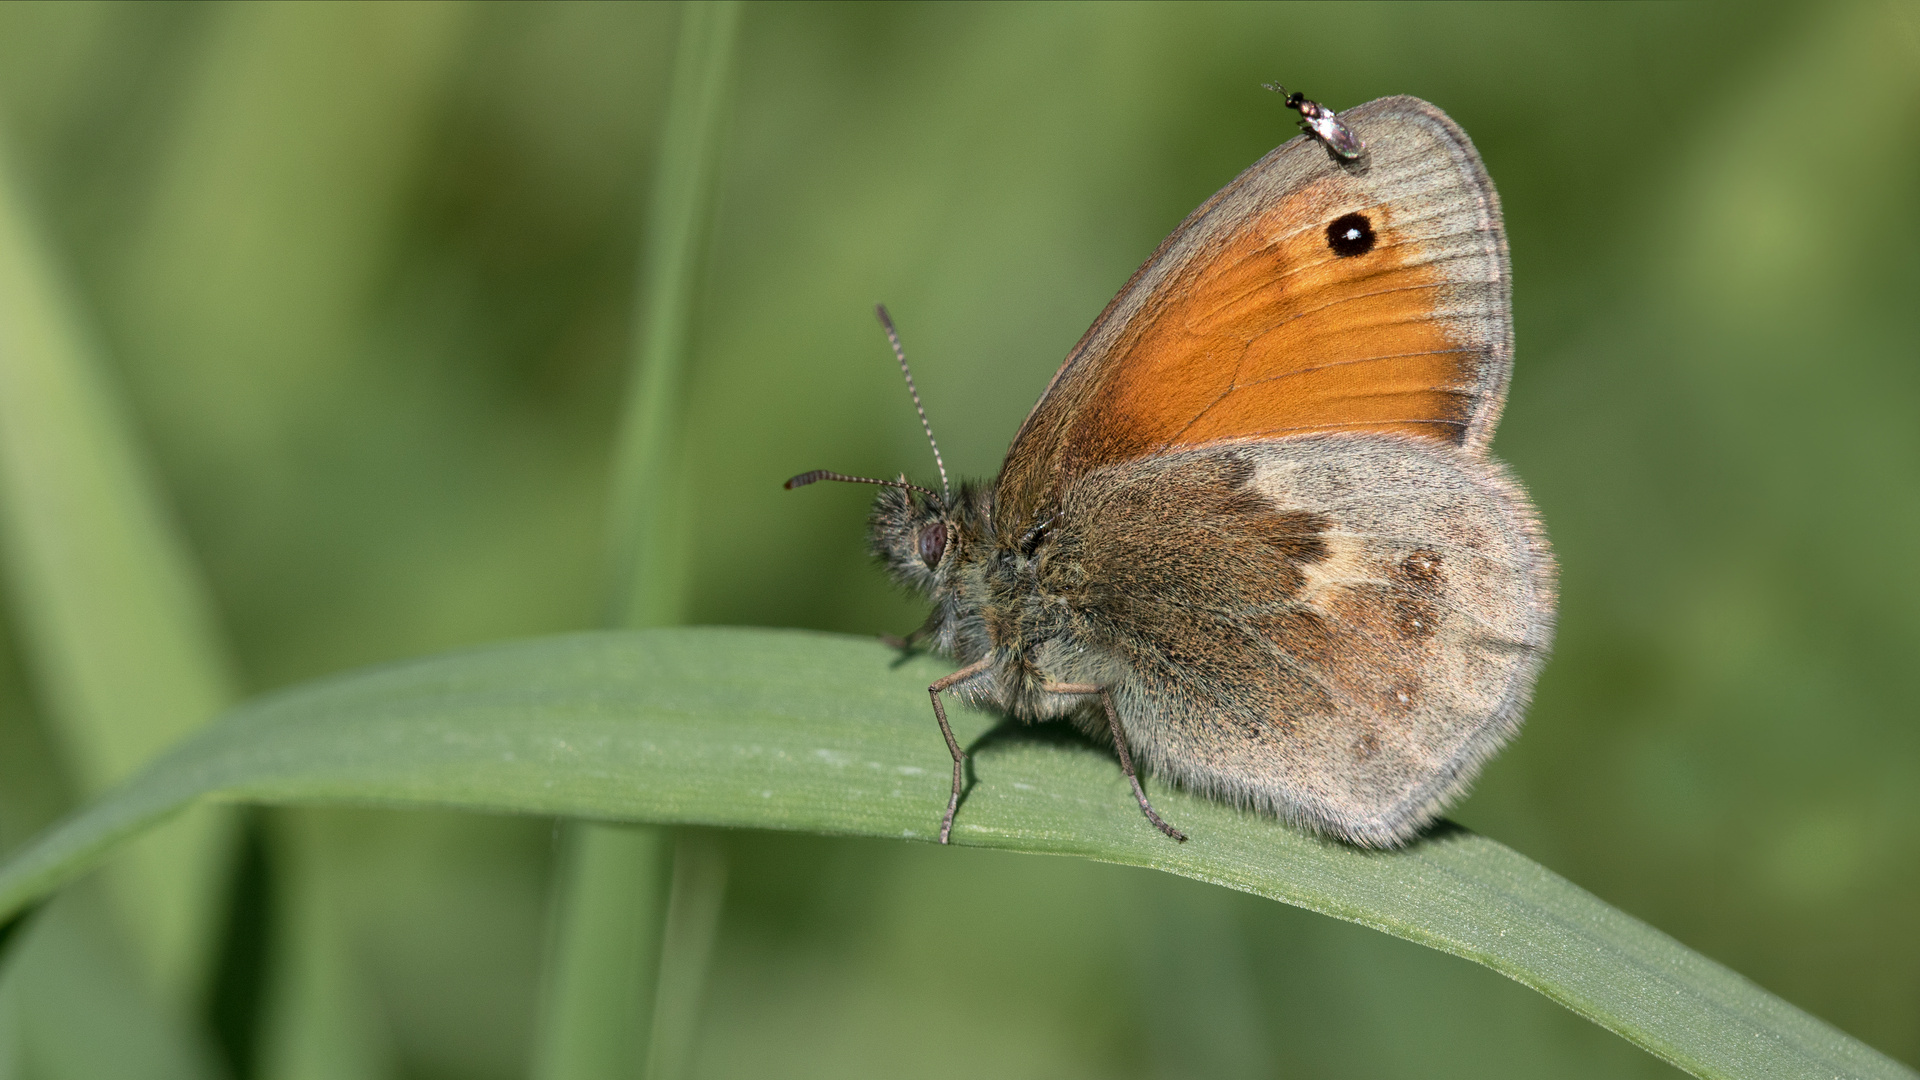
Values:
[(1251, 533)]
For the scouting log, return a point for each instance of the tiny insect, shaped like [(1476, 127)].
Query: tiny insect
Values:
[(1322, 123), (1252, 533)]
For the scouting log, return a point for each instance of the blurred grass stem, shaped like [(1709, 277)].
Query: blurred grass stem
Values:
[(112, 615), (647, 558), (627, 964), (125, 653), (692, 924), (610, 906)]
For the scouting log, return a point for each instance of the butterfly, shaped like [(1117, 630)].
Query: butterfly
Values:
[(1252, 533)]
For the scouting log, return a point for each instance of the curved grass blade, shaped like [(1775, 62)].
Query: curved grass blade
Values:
[(788, 730)]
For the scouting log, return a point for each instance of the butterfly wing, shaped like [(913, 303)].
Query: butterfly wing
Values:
[(1309, 295), (1339, 628)]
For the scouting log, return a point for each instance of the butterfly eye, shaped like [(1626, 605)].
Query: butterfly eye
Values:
[(933, 543), (1350, 234)]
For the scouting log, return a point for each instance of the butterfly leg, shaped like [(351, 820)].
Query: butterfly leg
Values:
[(1120, 744), (959, 756)]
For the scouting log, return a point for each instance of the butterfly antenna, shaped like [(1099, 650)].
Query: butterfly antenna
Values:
[(818, 475), (1293, 99), (893, 337)]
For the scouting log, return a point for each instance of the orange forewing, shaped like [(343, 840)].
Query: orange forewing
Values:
[(1261, 331), (1276, 335)]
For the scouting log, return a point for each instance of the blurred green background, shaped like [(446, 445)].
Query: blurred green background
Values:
[(363, 275)]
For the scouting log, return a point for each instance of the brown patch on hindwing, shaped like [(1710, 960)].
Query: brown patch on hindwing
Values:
[(1186, 533), (1172, 566)]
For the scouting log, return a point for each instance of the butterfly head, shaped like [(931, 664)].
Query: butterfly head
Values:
[(926, 538), (923, 536)]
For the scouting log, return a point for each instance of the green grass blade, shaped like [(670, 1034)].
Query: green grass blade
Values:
[(612, 902), (687, 937), (109, 609), (275, 195), (800, 731), (320, 1014), (79, 1009), (647, 568), (613, 926)]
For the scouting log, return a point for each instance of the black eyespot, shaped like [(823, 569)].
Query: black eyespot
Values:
[(1350, 234), (933, 543)]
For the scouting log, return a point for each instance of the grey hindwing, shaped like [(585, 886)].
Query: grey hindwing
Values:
[(1339, 629)]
